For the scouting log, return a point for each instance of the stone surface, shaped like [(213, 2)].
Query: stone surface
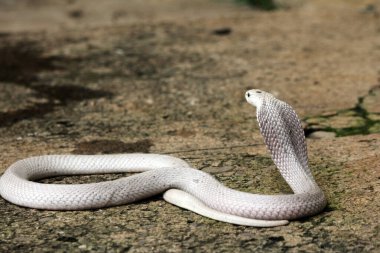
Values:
[(372, 101), (155, 76), (322, 135)]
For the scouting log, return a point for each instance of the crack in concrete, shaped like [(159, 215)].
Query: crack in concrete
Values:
[(366, 126)]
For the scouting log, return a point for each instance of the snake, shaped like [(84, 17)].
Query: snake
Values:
[(180, 183)]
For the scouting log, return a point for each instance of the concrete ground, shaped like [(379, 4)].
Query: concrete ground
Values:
[(87, 77)]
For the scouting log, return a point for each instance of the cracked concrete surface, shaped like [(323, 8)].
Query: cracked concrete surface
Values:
[(160, 77)]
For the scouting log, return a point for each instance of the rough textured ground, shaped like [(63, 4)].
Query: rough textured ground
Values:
[(169, 77)]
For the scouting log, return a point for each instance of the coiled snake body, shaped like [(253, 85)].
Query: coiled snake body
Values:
[(183, 186)]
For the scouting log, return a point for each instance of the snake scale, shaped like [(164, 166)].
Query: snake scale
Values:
[(183, 186)]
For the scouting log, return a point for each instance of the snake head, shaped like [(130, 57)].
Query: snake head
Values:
[(256, 97)]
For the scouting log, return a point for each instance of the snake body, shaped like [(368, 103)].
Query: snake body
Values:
[(184, 186)]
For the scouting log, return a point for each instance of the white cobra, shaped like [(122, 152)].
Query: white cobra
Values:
[(183, 186)]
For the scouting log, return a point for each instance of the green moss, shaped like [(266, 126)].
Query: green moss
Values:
[(360, 121), (267, 5), (375, 128)]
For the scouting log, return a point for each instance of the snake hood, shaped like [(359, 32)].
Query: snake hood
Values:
[(284, 138)]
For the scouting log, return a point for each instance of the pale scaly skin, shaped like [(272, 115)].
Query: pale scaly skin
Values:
[(186, 187)]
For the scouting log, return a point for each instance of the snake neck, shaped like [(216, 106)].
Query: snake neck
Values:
[(285, 140)]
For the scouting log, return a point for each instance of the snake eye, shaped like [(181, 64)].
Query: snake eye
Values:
[(248, 94), (258, 91)]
